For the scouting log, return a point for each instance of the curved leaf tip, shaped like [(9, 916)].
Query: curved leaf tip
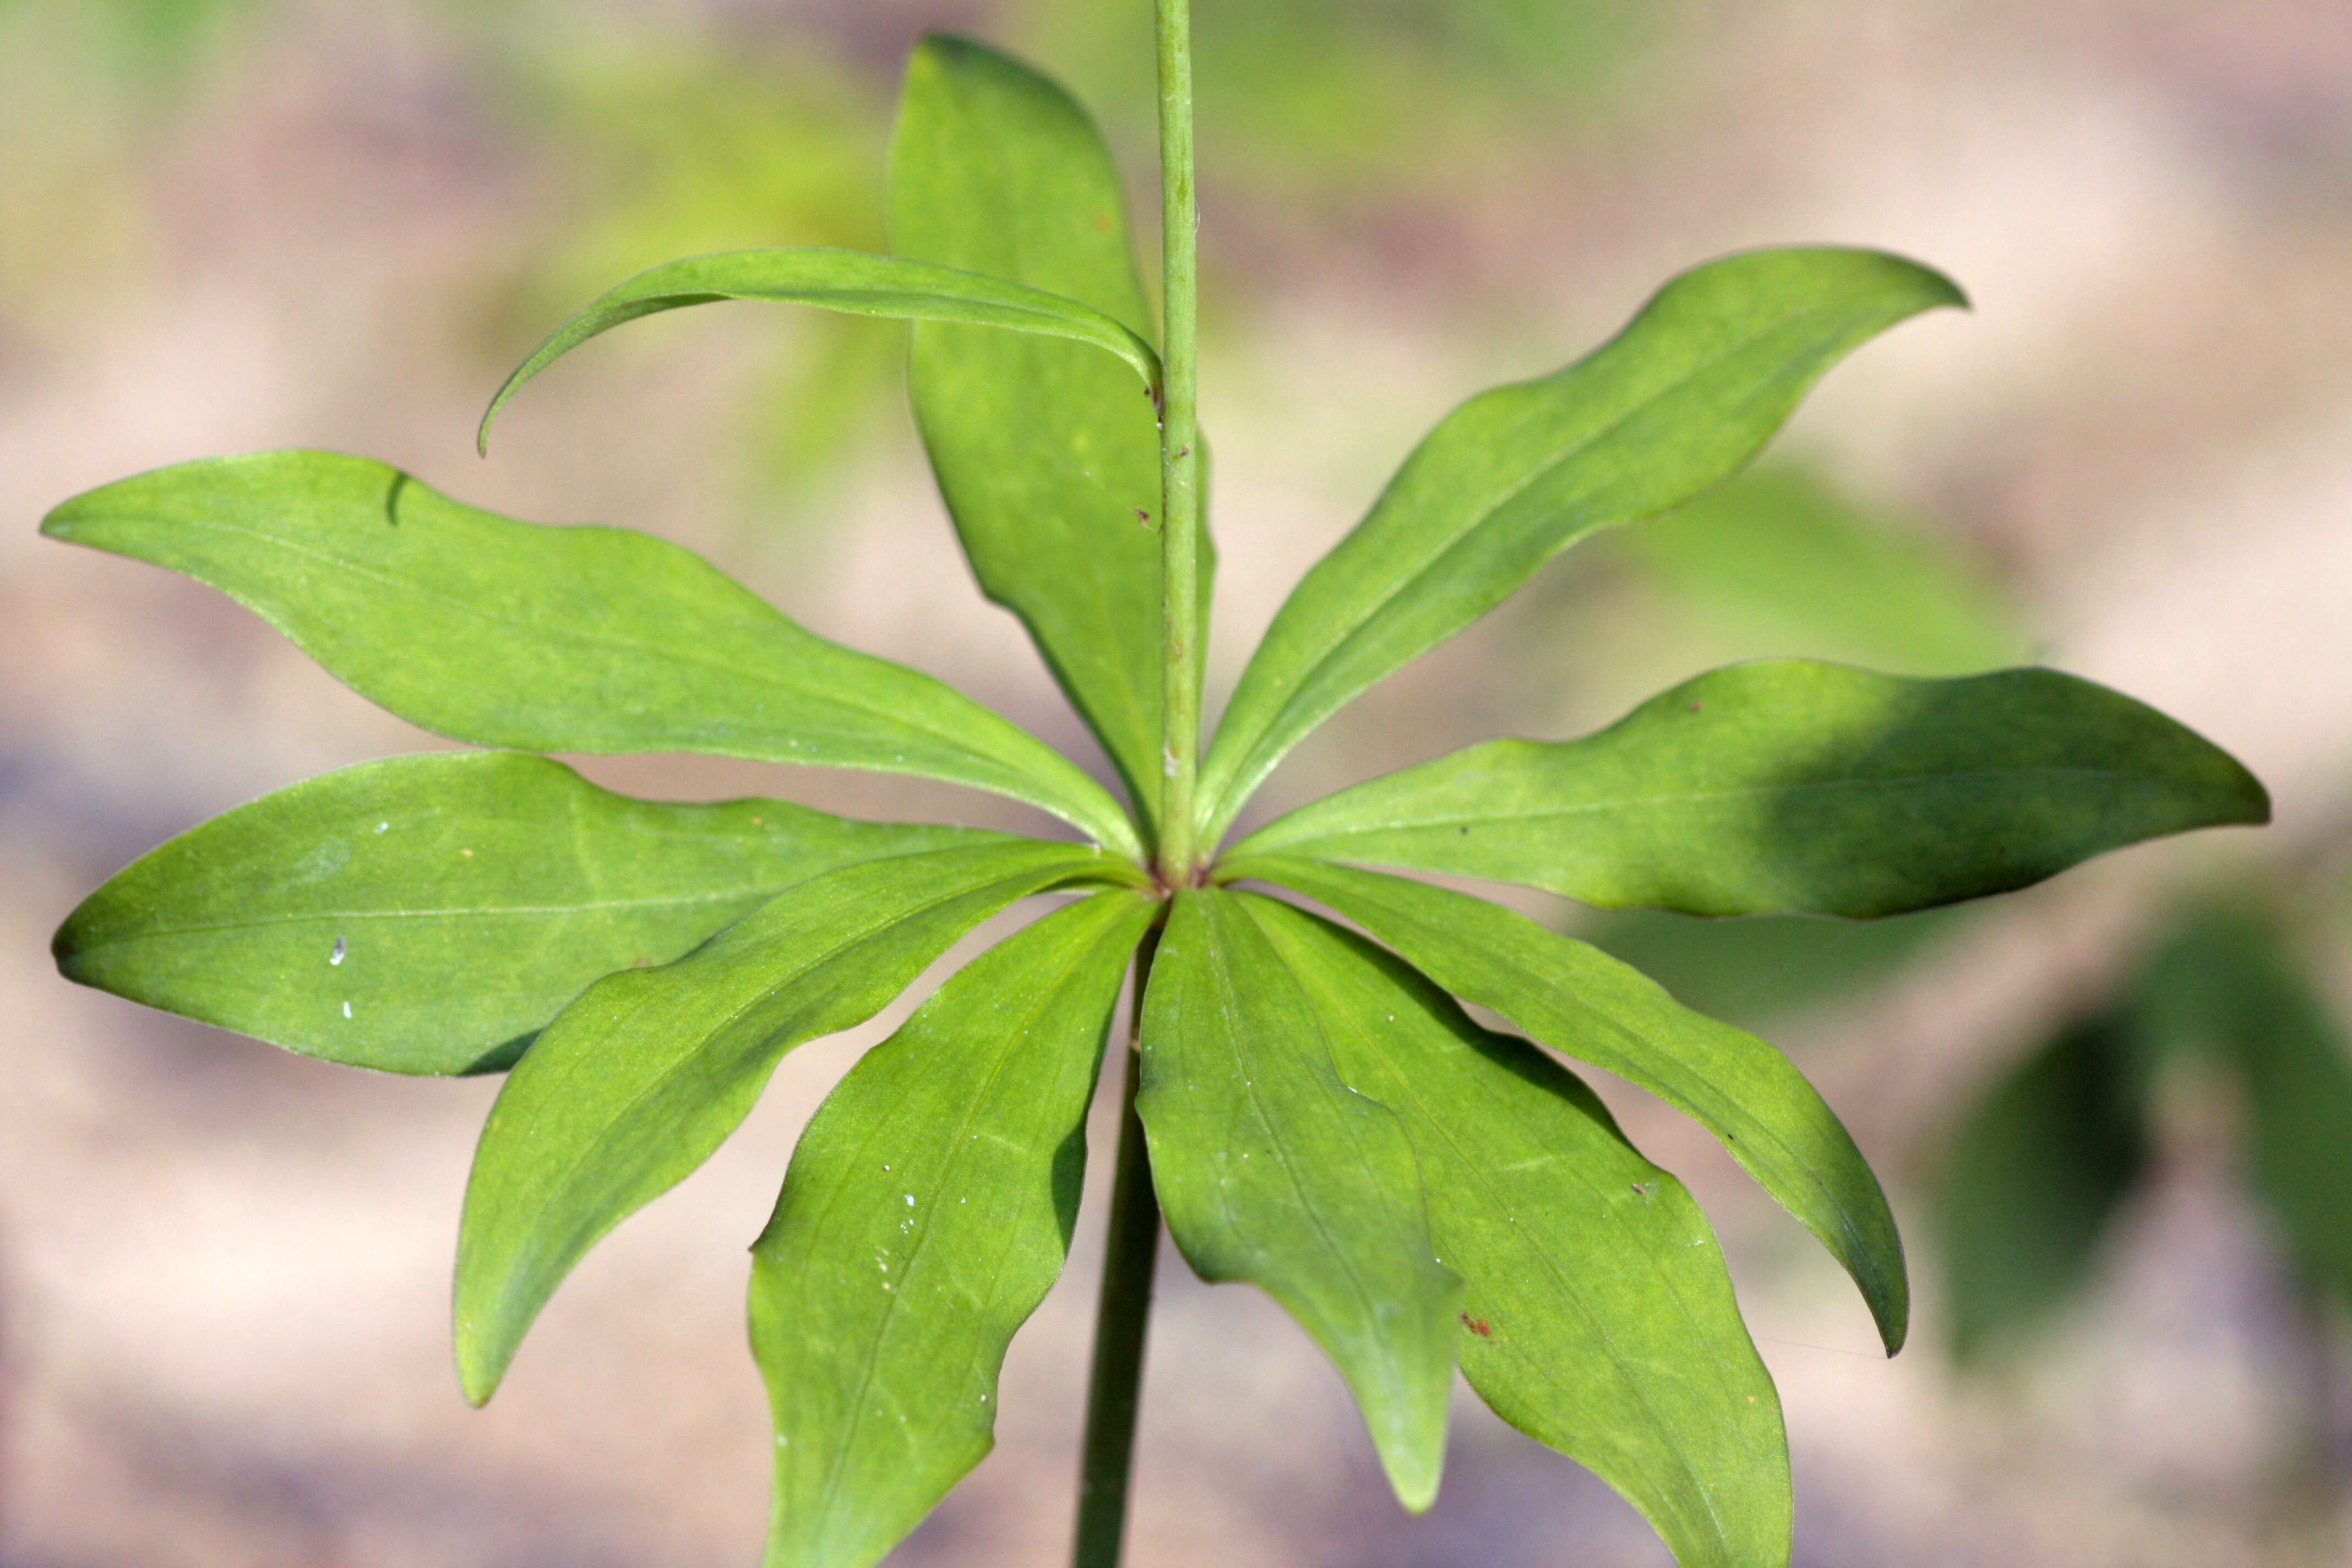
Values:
[(851, 281)]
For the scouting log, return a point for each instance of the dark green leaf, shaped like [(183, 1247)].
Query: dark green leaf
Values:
[(848, 281), (927, 1212), (2035, 1176), (1585, 1005), (553, 639), (1047, 454), (427, 914), (1596, 1316), (1683, 397), (2228, 980), (1271, 1170), (635, 1084), (1790, 786)]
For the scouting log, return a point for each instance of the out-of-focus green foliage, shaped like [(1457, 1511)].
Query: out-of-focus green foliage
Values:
[(1331, 100), (2040, 1166), (711, 130), (1783, 558), (2037, 1175), (1764, 968)]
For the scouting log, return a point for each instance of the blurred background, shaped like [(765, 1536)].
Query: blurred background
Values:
[(2116, 1113)]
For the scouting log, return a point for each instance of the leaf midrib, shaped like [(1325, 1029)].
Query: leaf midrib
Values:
[(493, 912), (648, 652), (1821, 786), (922, 1236), (1227, 988)]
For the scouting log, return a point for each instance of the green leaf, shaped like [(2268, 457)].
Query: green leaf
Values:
[(1597, 1316), (1045, 454), (927, 1212), (428, 914), (1585, 1005), (846, 280), (2034, 1178), (1680, 399), (1779, 558), (1271, 1170), (1789, 786), (2227, 979), (553, 639), (634, 1085)]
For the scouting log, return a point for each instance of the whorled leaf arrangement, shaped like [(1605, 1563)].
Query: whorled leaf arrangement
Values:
[(1323, 1118)]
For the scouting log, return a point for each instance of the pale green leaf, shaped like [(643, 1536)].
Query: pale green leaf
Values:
[(1271, 1170), (927, 1212), (1787, 787), (428, 914), (1772, 968), (635, 1084), (1585, 1005), (1680, 399), (1782, 563), (1596, 1315), (846, 280), (1047, 454), (553, 639)]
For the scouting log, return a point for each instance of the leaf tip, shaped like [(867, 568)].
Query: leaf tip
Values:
[(66, 945), (1414, 1471), (2251, 799), (498, 401), (480, 1363), (62, 519)]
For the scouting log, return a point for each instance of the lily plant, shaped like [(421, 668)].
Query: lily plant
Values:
[(1308, 1104)]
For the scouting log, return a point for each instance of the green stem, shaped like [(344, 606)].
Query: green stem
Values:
[(1180, 459), (1114, 1390)]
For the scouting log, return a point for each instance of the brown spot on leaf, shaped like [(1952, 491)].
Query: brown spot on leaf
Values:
[(1478, 1326)]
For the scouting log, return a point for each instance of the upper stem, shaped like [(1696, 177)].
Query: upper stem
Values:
[(1180, 459)]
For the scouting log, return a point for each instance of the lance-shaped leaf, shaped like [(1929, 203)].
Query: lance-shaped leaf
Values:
[(553, 639), (1585, 1005), (635, 1084), (927, 1212), (1046, 453), (1682, 398), (1271, 1170), (1597, 1316), (847, 281), (1789, 786), (2035, 1176), (427, 914)]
